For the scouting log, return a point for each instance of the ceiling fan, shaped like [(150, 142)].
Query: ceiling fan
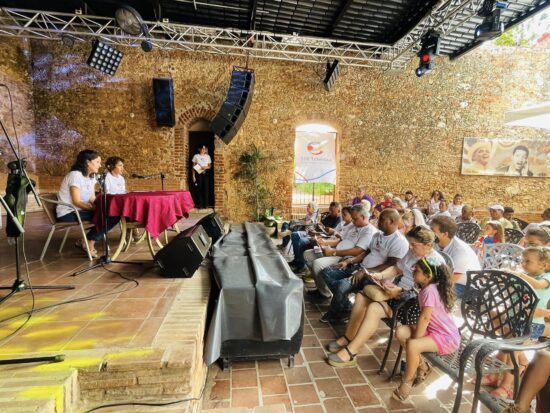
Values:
[(130, 21)]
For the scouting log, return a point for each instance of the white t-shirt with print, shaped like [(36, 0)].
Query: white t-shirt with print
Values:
[(384, 246), (202, 160), (115, 184), (357, 237), (455, 210), (86, 186), (464, 258), (407, 265)]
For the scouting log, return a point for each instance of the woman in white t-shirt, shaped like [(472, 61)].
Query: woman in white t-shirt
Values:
[(202, 163), (78, 189), (114, 181)]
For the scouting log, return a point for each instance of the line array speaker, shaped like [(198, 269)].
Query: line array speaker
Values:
[(181, 257), (163, 89), (233, 111)]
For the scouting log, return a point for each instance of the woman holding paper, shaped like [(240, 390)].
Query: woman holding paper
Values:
[(201, 164)]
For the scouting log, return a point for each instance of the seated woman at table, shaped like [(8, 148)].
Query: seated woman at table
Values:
[(114, 181), (78, 189)]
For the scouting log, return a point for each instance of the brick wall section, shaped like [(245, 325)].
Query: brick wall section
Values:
[(396, 131)]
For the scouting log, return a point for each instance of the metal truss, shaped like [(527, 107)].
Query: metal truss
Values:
[(170, 36), (446, 16)]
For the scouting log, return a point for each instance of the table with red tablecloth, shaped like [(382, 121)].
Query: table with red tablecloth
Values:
[(155, 211)]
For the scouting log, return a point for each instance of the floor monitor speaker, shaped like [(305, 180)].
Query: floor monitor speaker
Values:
[(213, 226)]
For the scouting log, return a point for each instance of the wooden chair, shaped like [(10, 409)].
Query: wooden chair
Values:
[(49, 204)]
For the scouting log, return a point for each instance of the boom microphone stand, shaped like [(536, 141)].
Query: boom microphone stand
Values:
[(105, 258)]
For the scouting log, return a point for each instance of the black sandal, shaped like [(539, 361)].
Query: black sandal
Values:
[(334, 347), (336, 361)]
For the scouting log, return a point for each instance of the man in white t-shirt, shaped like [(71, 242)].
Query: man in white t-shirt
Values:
[(463, 256), (202, 163), (355, 241), (386, 248)]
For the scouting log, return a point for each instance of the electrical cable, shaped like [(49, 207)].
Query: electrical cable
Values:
[(151, 404)]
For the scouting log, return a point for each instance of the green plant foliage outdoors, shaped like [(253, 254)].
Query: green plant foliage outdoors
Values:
[(253, 164), (320, 189)]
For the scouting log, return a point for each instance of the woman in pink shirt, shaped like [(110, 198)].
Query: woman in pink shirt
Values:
[(435, 331)]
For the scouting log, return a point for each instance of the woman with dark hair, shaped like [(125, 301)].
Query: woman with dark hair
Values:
[(78, 189), (114, 181), (433, 205), (202, 163)]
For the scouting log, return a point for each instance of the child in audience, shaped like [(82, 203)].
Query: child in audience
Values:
[(537, 236), (435, 331), (493, 234), (536, 267), (433, 205), (114, 181)]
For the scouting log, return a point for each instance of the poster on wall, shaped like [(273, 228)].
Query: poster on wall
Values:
[(506, 157), (315, 160)]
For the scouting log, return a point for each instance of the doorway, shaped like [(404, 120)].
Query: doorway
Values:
[(196, 140)]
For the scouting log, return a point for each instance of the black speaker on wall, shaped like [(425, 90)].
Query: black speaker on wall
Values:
[(233, 111), (181, 257), (163, 88)]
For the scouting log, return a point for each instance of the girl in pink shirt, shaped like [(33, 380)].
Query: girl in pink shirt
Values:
[(435, 331)]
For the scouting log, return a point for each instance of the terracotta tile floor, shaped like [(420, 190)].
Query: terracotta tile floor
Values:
[(314, 386), (122, 314)]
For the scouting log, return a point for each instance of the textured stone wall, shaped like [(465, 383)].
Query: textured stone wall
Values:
[(395, 131)]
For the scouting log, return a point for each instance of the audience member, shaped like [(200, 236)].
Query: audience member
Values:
[(509, 215), (386, 248), (443, 209), (433, 204), (545, 220), (496, 213), (355, 242), (463, 256), (362, 194), (312, 213), (467, 215), (455, 207), (376, 211), (538, 236), (114, 180), (410, 199), (387, 201), (367, 314)]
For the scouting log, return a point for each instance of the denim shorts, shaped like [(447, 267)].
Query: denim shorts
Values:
[(536, 330)]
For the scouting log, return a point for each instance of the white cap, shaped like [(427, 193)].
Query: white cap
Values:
[(497, 207)]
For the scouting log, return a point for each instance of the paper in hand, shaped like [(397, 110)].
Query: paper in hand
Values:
[(198, 168)]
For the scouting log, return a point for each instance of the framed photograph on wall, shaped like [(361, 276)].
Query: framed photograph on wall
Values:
[(506, 157)]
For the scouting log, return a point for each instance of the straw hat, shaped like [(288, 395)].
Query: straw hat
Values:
[(478, 145)]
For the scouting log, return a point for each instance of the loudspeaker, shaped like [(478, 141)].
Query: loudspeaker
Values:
[(163, 89), (234, 109), (213, 226), (181, 257)]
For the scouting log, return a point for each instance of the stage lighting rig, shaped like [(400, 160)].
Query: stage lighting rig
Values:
[(130, 21), (104, 57), (430, 45), (492, 26)]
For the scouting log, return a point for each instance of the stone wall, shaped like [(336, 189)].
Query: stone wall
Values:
[(395, 131)]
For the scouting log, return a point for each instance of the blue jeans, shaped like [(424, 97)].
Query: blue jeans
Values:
[(300, 240), (93, 234), (284, 227), (339, 282), (460, 289)]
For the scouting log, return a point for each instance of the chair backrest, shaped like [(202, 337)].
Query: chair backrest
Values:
[(468, 232), (49, 207), (513, 236), (497, 304), (502, 256), (448, 260), (522, 224)]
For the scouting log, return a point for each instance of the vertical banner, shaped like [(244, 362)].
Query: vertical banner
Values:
[(315, 160)]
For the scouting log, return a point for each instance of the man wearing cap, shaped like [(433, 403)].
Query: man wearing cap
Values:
[(497, 214)]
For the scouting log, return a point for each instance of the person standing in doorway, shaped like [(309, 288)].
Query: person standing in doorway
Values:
[(202, 163)]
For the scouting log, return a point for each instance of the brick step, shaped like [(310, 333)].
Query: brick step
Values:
[(274, 408)]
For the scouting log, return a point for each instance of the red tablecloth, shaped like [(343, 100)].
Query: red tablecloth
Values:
[(156, 210)]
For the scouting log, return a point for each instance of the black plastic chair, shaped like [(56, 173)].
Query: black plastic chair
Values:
[(468, 232), (522, 224), (513, 236)]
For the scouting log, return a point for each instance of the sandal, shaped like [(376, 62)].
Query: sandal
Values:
[(514, 408), (422, 373), (503, 392), (402, 392), (335, 361), (334, 347), (78, 244)]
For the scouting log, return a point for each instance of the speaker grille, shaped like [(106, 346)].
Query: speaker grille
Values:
[(164, 101)]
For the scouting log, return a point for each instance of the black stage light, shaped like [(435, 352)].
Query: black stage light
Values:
[(333, 70), (104, 57), (430, 45), (491, 27), (130, 21)]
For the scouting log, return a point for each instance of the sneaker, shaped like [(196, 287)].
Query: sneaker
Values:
[(330, 317), (316, 297)]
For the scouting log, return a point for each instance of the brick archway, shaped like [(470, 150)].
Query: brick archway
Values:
[(181, 149)]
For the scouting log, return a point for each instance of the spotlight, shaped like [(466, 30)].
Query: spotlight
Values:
[(490, 28), (130, 21), (333, 70), (429, 49), (104, 57)]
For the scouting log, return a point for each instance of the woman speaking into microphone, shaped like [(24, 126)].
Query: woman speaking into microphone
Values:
[(201, 170)]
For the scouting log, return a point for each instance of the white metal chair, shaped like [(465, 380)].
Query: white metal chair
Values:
[(502, 256), (49, 203)]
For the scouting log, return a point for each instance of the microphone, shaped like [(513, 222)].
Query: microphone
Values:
[(136, 176)]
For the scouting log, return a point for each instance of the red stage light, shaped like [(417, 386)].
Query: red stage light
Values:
[(425, 58)]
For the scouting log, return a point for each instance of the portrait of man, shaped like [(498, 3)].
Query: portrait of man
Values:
[(519, 165)]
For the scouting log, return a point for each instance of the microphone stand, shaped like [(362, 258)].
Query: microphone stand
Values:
[(19, 284), (162, 176), (105, 258)]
